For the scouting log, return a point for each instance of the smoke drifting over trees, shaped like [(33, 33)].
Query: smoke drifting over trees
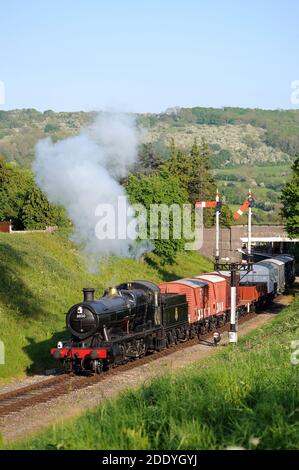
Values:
[(82, 172)]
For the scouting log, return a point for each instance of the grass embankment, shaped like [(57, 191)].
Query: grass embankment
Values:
[(41, 276), (244, 396)]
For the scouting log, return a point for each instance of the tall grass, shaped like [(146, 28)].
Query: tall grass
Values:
[(245, 396), (41, 276)]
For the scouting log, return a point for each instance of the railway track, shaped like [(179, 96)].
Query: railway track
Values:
[(46, 390)]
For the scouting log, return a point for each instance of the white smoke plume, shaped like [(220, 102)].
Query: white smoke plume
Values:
[(82, 172)]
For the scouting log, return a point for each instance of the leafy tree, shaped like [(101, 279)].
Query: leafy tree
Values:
[(290, 201), (226, 216), (22, 202), (178, 165), (148, 159), (14, 185), (221, 158), (51, 128), (38, 213), (163, 188), (202, 185)]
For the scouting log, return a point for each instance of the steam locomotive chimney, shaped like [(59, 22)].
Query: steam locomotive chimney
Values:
[(88, 294)]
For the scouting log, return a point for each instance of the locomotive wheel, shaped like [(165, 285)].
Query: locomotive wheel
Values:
[(171, 338), (67, 366), (201, 330), (141, 349), (97, 366)]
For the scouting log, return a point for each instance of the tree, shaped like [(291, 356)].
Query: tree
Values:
[(22, 202), (178, 165), (159, 188), (202, 185), (173, 151), (148, 159), (38, 213), (226, 216), (14, 185), (290, 202)]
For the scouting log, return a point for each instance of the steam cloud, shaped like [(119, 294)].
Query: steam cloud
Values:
[(83, 171)]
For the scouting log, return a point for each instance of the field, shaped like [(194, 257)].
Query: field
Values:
[(265, 182), (244, 396), (41, 276)]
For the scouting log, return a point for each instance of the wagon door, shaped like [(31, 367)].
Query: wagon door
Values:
[(205, 301)]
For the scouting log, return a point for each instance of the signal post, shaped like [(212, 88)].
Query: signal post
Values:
[(221, 264)]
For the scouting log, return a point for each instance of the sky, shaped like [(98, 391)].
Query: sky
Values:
[(147, 56)]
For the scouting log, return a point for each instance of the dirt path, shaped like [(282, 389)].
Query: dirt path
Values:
[(33, 420)]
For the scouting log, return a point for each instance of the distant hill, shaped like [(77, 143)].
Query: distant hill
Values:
[(21, 129), (251, 136), (276, 129), (250, 147)]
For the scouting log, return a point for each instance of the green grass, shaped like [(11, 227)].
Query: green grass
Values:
[(41, 276), (245, 396), (259, 172)]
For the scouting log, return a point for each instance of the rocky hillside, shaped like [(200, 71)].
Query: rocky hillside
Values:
[(245, 143), (247, 136)]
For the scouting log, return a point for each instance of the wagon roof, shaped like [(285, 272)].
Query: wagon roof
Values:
[(221, 273), (285, 257), (266, 263), (190, 283), (210, 277), (198, 283), (258, 268), (276, 261)]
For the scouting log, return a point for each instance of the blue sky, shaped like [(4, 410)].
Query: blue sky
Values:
[(148, 55)]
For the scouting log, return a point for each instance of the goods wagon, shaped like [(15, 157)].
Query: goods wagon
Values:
[(196, 293), (274, 273), (217, 297), (253, 295), (281, 273), (259, 273), (289, 268), (227, 276)]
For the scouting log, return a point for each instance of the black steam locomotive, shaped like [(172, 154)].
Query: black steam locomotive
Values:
[(129, 321)]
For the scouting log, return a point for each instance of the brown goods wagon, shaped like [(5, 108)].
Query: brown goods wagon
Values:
[(196, 293), (251, 293), (217, 297), (227, 276)]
